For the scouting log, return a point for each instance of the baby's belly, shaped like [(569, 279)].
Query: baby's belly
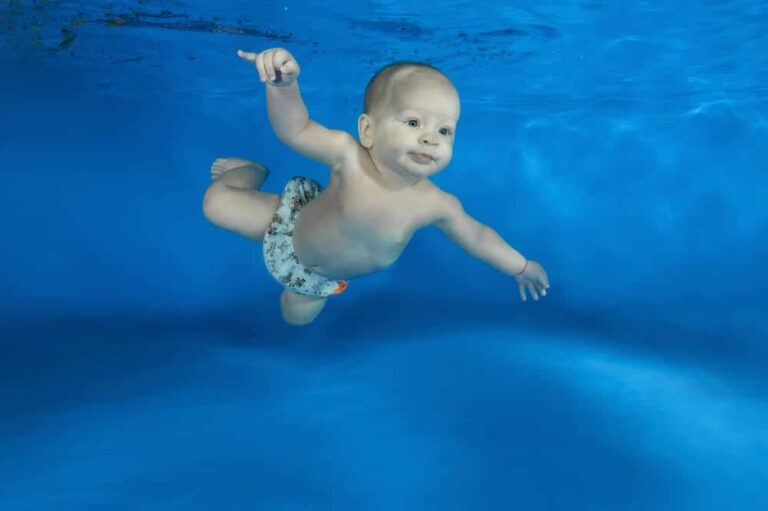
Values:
[(328, 246), (347, 268)]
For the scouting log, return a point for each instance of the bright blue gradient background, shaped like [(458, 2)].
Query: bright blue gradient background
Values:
[(143, 363)]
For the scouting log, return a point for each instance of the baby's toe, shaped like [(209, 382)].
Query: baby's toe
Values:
[(216, 169)]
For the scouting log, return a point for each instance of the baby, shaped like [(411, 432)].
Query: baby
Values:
[(378, 195)]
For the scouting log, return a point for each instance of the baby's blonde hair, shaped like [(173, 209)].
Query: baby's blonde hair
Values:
[(379, 86)]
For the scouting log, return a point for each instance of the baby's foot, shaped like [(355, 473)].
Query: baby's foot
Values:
[(221, 165)]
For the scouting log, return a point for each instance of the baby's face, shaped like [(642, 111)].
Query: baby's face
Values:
[(414, 130)]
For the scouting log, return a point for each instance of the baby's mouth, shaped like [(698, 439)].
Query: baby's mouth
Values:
[(420, 157)]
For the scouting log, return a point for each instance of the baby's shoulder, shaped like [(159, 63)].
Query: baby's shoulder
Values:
[(438, 202), (353, 160)]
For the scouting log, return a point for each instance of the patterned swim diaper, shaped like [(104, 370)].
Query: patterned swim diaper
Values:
[(279, 255)]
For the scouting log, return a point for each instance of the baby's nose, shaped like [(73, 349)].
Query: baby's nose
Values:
[(429, 137)]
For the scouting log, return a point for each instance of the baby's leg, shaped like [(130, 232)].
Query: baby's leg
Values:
[(299, 310), (233, 201)]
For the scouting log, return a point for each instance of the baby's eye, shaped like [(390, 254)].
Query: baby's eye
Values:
[(445, 131), (413, 123)]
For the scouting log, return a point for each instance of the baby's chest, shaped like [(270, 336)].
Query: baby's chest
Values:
[(389, 216), (389, 221)]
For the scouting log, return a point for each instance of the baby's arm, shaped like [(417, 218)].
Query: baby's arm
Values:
[(485, 244), (287, 112)]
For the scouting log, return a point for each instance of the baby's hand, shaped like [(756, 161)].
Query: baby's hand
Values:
[(276, 65), (534, 278)]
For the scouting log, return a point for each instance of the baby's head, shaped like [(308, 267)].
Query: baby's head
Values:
[(410, 108)]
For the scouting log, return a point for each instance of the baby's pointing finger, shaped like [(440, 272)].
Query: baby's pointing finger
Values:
[(254, 58), (246, 55)]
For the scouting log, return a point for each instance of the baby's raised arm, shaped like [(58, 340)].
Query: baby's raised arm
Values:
[(290, 120)]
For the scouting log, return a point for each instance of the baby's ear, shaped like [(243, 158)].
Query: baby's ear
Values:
[(365, 130)]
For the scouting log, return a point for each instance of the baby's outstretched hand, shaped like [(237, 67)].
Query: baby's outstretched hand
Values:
[(534, 278), (276, 66)]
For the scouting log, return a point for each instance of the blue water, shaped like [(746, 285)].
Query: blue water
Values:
[(143, 362)]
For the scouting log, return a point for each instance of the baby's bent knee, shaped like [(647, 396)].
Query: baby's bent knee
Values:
[(211, 198)]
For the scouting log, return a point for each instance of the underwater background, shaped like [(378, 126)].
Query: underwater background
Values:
[(143, 361)]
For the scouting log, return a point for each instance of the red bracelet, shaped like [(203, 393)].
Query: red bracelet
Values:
[(523, 270)]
